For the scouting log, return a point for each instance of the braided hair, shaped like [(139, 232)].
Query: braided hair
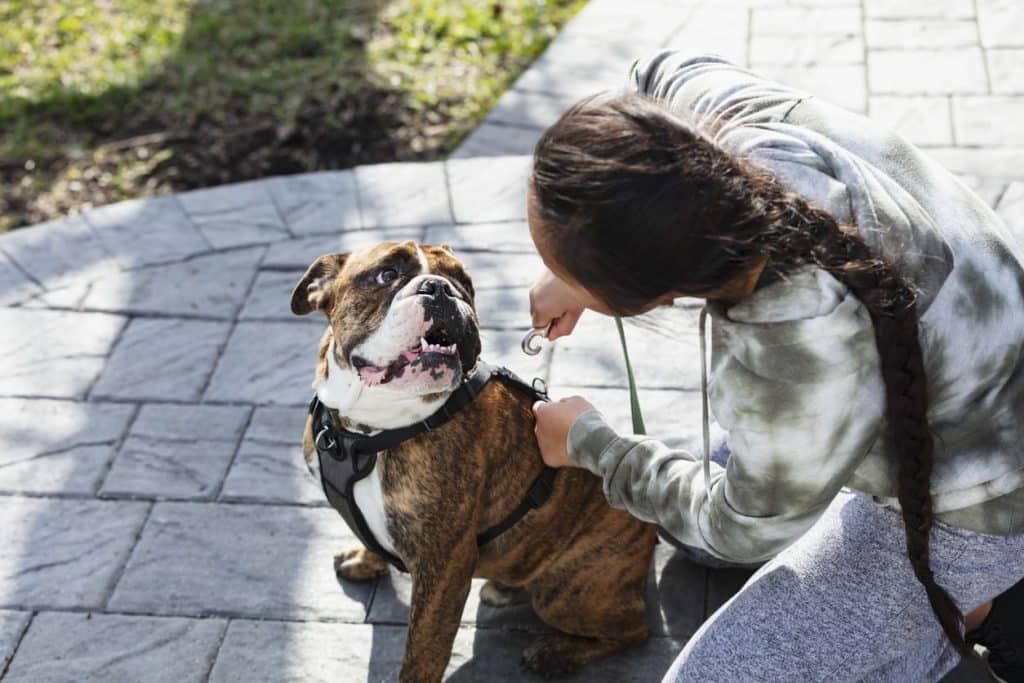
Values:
[(635, 203)]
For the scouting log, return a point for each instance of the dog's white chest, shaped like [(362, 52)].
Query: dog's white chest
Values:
[(369, 497)]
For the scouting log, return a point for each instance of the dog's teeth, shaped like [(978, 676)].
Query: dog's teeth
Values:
[(436, 348)]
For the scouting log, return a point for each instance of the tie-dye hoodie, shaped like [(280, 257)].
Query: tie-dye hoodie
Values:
[(794, 381)]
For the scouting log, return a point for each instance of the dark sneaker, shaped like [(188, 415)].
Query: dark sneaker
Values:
[(1002, 634)]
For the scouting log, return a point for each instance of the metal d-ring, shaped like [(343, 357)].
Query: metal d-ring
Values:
[(529, 347), (328, 447)]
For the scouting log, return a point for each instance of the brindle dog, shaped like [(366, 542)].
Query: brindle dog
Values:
[(402, 334)]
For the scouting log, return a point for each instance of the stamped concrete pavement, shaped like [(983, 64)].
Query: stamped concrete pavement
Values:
[(159, 524)]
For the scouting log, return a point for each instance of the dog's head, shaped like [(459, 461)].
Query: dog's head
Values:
[(402, 315)]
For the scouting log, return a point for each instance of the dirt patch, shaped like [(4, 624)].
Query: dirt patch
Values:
[(367, 127)]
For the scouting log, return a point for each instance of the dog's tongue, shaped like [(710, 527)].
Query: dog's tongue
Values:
[(372, 375)]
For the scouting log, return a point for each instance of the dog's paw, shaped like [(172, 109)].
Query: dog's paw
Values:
[(359, 564), (552, 656), (497, 594)]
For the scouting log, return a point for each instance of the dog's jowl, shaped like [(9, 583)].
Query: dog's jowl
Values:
[(402, 339)]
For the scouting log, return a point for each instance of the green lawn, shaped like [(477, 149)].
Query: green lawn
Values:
[(110, 99)]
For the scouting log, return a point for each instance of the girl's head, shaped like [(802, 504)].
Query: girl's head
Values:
[(632, 207)]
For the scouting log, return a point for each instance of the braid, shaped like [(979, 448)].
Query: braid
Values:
[(800, 233)]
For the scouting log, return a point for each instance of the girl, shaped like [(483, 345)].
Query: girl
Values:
[(867, 334)]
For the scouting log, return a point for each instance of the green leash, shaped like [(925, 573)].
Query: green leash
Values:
[(634, 402)]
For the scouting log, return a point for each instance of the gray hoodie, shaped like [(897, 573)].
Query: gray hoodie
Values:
[(794, 383)]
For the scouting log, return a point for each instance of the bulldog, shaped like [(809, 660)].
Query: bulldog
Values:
[(402, 335)]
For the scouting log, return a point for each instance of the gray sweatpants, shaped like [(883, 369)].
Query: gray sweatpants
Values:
[(842, 604)]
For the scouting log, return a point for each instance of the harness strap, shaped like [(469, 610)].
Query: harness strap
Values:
[(535, 497), (346, 457), (345, 503)]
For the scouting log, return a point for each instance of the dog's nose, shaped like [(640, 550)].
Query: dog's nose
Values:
[(436, 287)]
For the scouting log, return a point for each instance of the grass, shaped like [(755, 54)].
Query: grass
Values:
[(108, 99)]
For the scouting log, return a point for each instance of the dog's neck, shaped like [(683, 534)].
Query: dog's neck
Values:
[(370, 409)]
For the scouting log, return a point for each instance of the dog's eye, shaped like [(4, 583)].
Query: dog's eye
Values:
[(385, 276)]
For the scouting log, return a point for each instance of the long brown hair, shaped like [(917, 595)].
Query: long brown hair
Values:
[(635, 204)]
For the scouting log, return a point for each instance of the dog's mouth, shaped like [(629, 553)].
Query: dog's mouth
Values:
[(435, 341), (435, 349)]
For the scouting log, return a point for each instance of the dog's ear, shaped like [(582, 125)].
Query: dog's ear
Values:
[(313, 291)]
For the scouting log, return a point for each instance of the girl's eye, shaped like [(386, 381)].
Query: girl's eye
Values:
[(386, 276)]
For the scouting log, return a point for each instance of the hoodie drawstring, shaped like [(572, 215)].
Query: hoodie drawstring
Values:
[(704, 403)]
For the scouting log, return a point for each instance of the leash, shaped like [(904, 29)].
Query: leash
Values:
[(347, 457), (634, 401)]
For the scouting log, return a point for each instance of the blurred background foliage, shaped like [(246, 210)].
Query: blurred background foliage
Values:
[(110, 99)]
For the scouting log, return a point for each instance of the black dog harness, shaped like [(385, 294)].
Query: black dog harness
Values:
[(347, 457)]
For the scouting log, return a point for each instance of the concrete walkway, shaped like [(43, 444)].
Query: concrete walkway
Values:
[(158, 523)]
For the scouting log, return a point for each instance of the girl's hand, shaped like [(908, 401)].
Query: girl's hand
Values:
[(554, 420), (553, 301)]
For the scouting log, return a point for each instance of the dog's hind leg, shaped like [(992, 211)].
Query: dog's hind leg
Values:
[(359, 564), (560, 654), (496, 594), (593, 622), (595, 597)]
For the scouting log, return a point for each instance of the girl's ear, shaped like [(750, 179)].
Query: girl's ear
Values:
[(313, 292)]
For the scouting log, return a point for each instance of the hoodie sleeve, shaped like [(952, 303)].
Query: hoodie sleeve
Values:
[(709, 90), (795, 381)]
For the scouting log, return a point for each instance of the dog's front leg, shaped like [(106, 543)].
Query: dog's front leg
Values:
[(440, 586)]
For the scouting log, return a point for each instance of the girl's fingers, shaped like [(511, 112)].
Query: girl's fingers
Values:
[(563, 325)]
